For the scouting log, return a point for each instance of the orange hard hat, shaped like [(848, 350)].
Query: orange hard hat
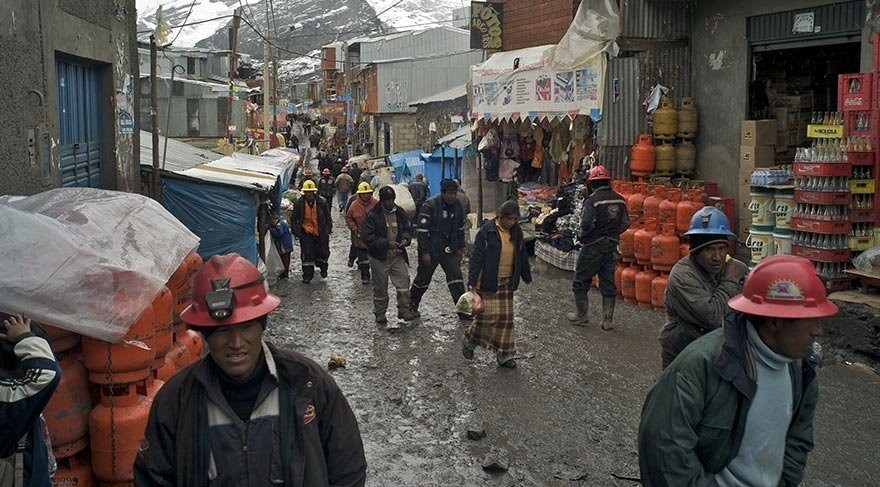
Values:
[(784, 286), (598, 173)]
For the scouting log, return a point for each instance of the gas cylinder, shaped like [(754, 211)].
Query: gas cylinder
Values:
[(67, 413), (665, 119), (687, 118), (685, 158), (116, 427), (628, 283), (727, 205), (684, 250), (179, 356), (635, 203), (627, 240), (642, 156), (164, 311), (642, 241), (60, 340), (668, 207), (665, 165), (643, 286), (665, 248), (74, 471), (127, 361), (658, 288), (685, 210), (180, 283), (618, 270), (652, 202), (625, 189), (149, 387), (193, 341), (167, 369)]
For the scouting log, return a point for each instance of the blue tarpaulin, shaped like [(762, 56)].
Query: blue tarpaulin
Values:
[(222, 216)]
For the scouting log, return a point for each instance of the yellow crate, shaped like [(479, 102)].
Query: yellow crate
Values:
[(825, 131), (861, 186), (860, 243)]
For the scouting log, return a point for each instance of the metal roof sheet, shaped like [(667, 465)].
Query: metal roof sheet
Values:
[(448, 95)]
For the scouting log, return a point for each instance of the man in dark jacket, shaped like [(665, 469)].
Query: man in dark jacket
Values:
[(327, 186), (301, 431), (311, 224), (419, 191), (387, 232), (604, 219), (440, 232), (736, 406)]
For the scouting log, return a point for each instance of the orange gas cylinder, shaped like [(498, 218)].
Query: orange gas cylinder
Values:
[(116, 427), (658, 288), (652, 202), (180, 283), (628, 283), (60, 340), (164, 310), (193, 341), (642, 241), (127, 361), (668, 207), (149, 387), (67, 413), (665, 248), (642, 156), (684, 250), (179, 356), (618, 270), (627, 240), (685, 210), (75, 471), (168, 368), (643, 287), (635, 203), (625, 189)]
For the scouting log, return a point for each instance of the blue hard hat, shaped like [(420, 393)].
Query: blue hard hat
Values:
[(709, 221)]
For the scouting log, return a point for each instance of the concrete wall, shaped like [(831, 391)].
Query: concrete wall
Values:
[(32, 34), (440, 114), (403, 133), (196, 110)]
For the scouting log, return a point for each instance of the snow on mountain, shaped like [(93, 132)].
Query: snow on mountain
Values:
[(411, 14)]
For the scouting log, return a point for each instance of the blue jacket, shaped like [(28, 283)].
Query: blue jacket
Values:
[(281, 236), (483, 265)]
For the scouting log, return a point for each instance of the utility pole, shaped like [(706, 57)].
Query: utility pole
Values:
[(266, 82), (275, 87), (233, 63), (154, 117)]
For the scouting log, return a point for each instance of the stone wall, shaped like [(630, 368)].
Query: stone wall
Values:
[(440, 114)]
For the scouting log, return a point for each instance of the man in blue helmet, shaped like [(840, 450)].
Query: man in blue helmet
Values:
[(700, 284)]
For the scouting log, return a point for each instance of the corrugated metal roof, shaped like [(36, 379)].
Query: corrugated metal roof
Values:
[(181, 156), (621, 114), (448, 95), (459, 139)]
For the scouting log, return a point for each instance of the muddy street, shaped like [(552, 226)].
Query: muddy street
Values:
[(567, 416)]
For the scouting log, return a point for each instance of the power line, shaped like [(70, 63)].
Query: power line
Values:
[(197, 22), (193, 4)]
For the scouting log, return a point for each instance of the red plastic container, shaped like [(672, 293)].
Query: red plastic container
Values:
[(822, 169), (116, 427), (820, 226), (822, 197), (860, 158), (850, 124), (821, 255), (854, 91), (862, 216)]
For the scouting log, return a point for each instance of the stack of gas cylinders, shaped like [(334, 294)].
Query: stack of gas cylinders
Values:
[(97, 416), (651, 245)]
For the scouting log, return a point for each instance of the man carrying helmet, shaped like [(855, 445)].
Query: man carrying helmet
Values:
[(344, 184), (311, 224), (354, 218), (604, 219), (736, 406), (249, 413), (700, 284), (327, 186)]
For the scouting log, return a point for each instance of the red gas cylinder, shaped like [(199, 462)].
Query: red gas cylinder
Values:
[(60, 340), (685, 210), (127, 361), (625, 189), (642, 241), (643, 156), (668, 207), (628, 283), (193, 341), (684, 250), (658, 288), (665, 248), (180, 283), (635, 203), (179, 356), (168, 368), (164, 310), (67, 413), (618, 270), (74, 471), (727, 206), (652, 202), (149, 387), (643, 286), (116, 427), (627, 240)]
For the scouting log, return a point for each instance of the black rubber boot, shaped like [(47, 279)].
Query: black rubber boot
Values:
[(608, 312), (582, 307)]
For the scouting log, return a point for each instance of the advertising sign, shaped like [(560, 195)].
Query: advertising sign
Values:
[(486, 25)]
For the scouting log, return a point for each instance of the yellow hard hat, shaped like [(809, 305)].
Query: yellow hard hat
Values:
[(364, 188), (309, 185)]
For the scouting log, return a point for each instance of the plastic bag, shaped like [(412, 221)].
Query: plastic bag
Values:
[(470, 303), (274, 266), (868, 261)]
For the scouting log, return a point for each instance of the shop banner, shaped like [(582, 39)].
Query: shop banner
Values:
[(486, 25)]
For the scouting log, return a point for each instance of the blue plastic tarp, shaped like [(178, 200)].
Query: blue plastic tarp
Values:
[(222, 216), (406, 165)]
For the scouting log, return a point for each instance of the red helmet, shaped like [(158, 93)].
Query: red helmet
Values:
[(228, 290), (307, 173), (325, 172), (784, 286), (344, 169), (419, 177), (598, 173)]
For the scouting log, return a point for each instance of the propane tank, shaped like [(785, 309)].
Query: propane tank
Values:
[(116, 427), (685, 158), (665, 165), (60, 340), (684, 250), (179, 356), (627, 240), (687, 118), (164, 311), (180, 283), (127, 361), (193, 341), (665, 119), (149, 387), (618, 270), (665, 248), (652, 202), (690, 204), (643, 286), (628, 283), (67, 413), (642, 241), (642, 156), (658, 289), (668, 207), (74, 471), (635, 203), (625, 189)]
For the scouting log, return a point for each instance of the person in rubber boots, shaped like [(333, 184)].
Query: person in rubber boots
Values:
[(312, 225), (603, 220), (354, 218), (736, 407)]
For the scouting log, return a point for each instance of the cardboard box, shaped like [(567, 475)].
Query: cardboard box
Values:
[(751, 157), (758, 132)]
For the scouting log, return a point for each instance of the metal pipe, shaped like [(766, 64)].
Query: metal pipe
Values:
[(154, 118)]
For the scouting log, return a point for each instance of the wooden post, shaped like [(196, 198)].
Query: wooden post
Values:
[(154, 118), (233, 64), (442, 163)]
